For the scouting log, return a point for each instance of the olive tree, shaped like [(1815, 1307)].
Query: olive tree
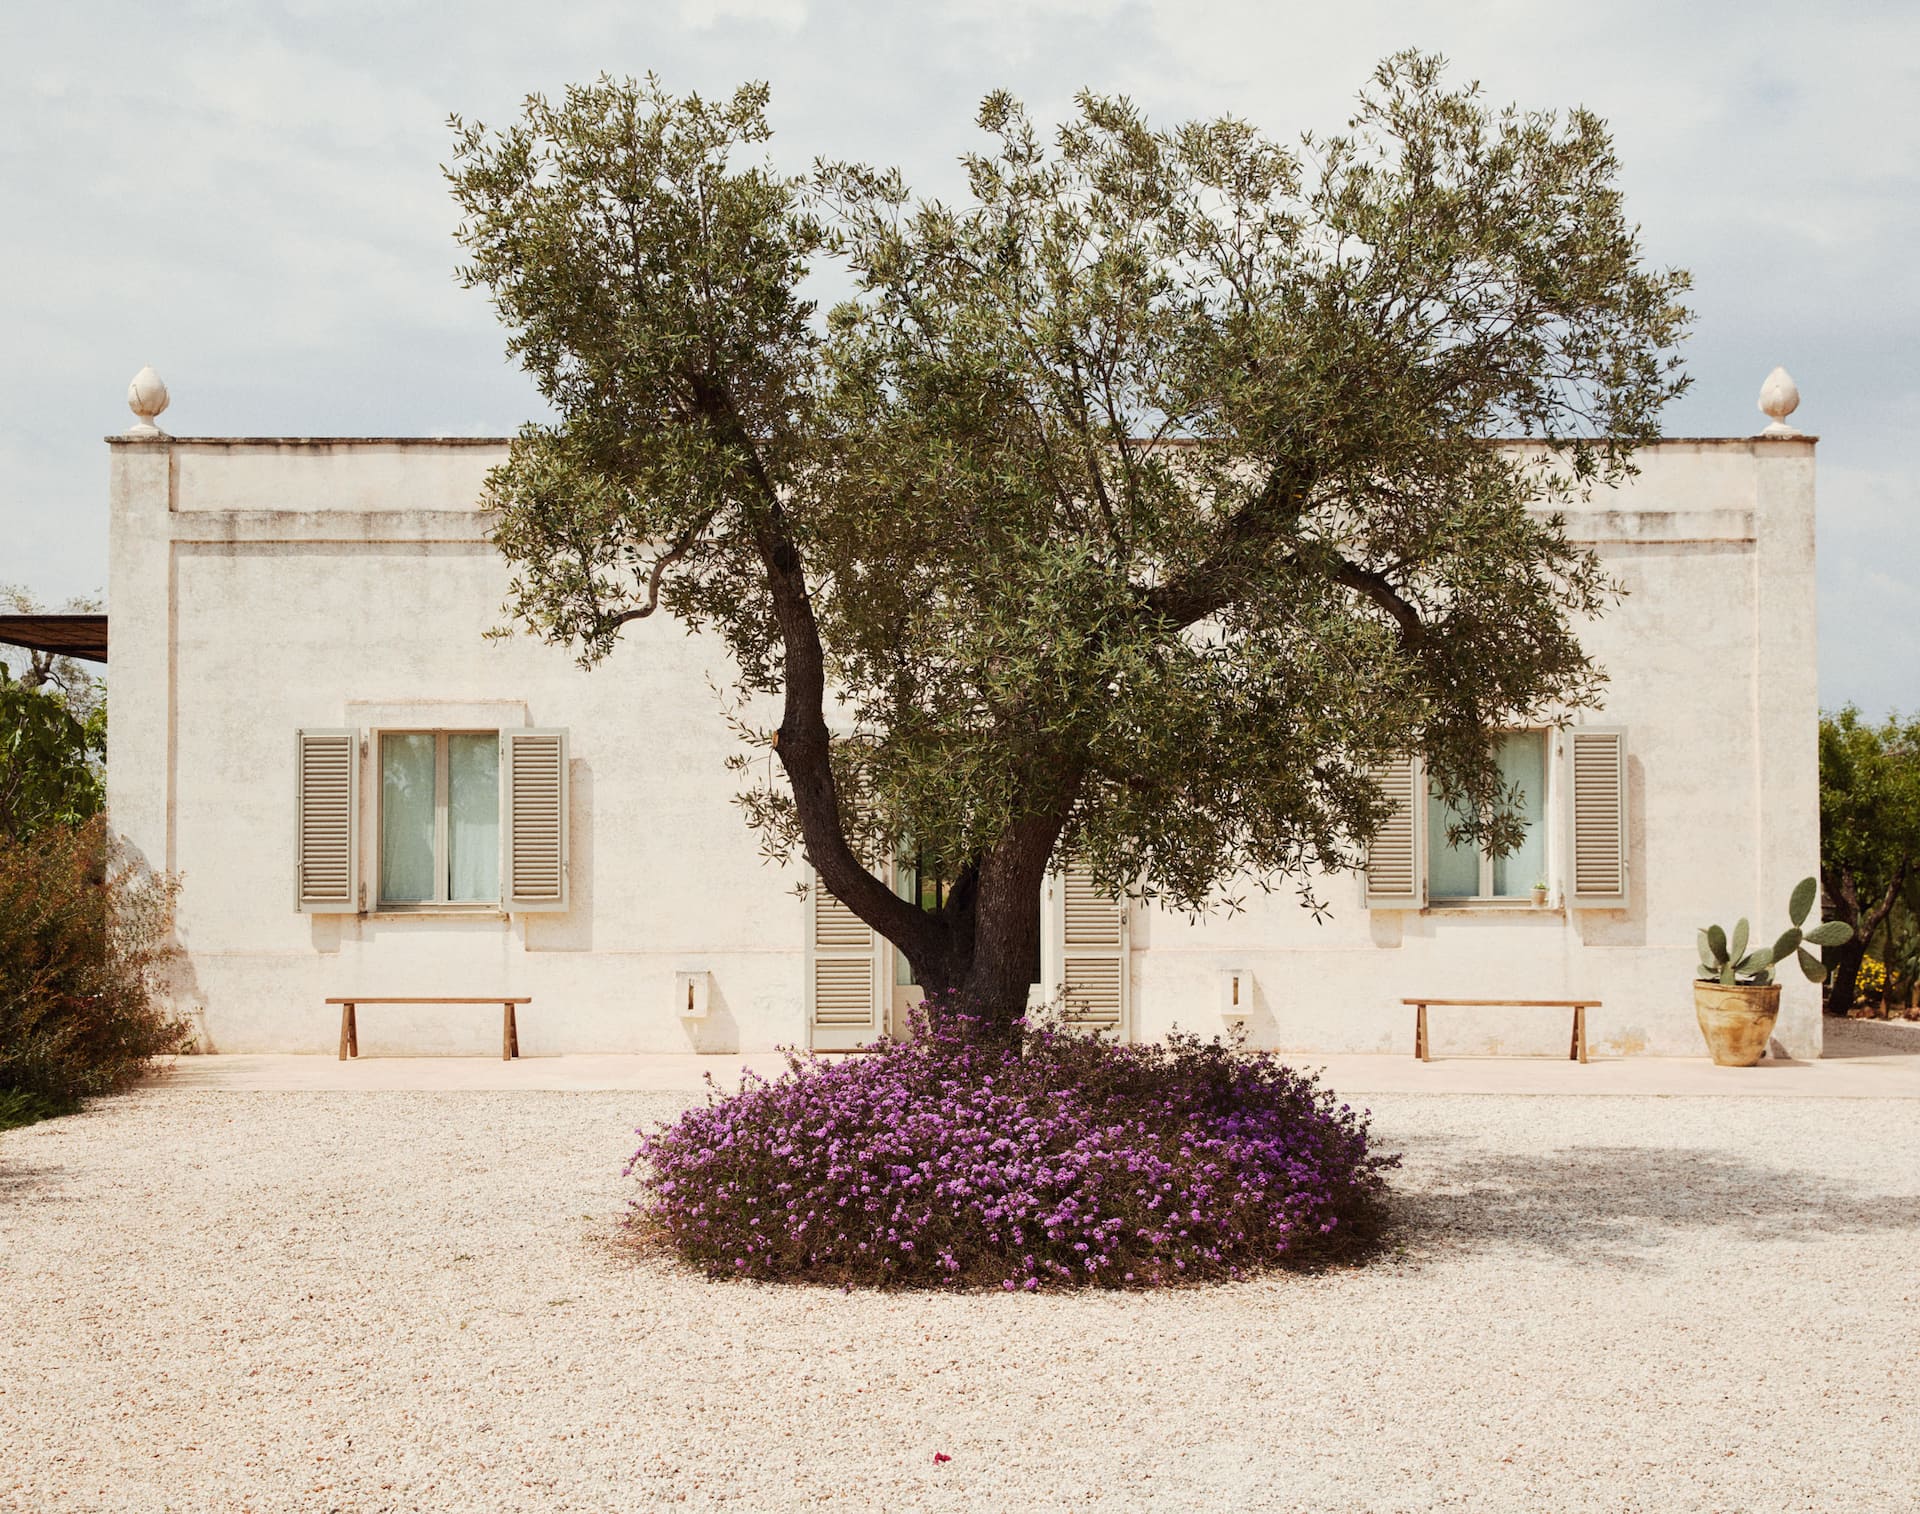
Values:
[(1869, 836), (1134, 508)]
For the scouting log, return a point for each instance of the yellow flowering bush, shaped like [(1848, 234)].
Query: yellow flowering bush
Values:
[(1870, 983)]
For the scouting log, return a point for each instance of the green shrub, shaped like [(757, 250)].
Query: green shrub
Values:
[(18, 1107), (86, 936)]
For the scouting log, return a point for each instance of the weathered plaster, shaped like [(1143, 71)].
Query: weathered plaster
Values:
[(262, 585)]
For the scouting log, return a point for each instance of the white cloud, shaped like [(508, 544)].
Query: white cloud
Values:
[(250, 198), (702, 15)]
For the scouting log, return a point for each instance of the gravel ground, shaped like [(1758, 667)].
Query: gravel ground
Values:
[(1872, 1038), (372, 1301)]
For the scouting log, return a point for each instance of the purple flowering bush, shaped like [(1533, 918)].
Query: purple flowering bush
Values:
[(1067, 1162)]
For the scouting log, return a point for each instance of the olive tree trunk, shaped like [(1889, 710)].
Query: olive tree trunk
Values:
[(1843, 977), (990, 939)]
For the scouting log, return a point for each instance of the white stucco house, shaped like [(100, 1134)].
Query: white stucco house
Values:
[(364, 796)]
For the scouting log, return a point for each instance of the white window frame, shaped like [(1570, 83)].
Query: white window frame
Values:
[(440, 903), (1486, 898)]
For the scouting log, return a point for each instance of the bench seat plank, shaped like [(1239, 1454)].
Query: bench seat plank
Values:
[(1515, 1003), (457, 999)]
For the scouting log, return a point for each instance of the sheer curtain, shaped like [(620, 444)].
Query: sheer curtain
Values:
[(406, 817), (1523, 761), (1453, 872), (473, 818)]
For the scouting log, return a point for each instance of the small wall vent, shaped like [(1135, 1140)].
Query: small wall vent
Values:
[(690, 993), (1236, 993)]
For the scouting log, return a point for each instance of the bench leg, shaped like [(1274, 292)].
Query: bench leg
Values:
[(1420, 1033), (1579, 1051), (345, 1010), (349, 1033), (509, 1035), (513, 1026)]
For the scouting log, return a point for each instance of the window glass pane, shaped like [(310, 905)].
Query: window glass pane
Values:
[(1523, 761), (406, 817), (473, 818), (906, 883), (1453, 872), (912, 879)]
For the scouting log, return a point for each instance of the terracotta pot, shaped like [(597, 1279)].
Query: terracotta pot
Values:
[(1738, 1021)]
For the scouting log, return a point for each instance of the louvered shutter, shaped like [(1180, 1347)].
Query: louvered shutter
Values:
[(1396, 862), (326, 868), (843, 974), (1093, 973), (1597, 793), (533, 821)]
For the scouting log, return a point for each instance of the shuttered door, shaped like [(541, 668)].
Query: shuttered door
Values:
[(843, 974), (1094, 959), (1597, 790), (1396, 862), (533, 797), (326, 822)]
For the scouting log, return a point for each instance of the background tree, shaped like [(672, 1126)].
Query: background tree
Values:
[(1898, 947), (79, 688), (1869, 834), (50, 760), (1135, 508)]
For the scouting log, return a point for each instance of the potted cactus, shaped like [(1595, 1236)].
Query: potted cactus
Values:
[(1540, 893), (1735, 996)]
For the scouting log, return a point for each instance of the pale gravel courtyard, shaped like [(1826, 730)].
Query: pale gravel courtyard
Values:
[(422, 1300)]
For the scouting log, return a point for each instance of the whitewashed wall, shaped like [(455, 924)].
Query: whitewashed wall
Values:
[(1712, 662), (262, 586)]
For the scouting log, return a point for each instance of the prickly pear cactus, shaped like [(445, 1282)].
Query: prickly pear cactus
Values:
[(1725, 959)]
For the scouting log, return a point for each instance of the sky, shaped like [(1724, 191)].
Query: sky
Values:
[(249, 197)]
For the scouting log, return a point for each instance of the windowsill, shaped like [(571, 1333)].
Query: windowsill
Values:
[(444, 911), (1487, 907)]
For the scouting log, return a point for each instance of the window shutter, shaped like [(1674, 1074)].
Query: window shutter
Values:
[(326, 869), (533, 823), (843, 974), (1093, 975), (1597, 791), (1396, 862)]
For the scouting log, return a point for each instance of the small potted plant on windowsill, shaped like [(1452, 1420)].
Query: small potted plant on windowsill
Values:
[(1735, 997), (1540, 893)]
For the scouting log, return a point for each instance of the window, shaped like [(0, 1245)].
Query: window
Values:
[(913, 878), (1466, 871), (439, 817)]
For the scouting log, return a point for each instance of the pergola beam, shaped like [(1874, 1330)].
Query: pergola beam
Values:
[(82, 636)]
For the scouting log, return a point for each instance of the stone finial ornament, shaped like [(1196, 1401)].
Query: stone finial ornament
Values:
[(1779, 398), (146, 398)]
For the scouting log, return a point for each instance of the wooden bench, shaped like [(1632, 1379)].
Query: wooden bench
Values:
[(1577, 1053), (350, 1029)]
